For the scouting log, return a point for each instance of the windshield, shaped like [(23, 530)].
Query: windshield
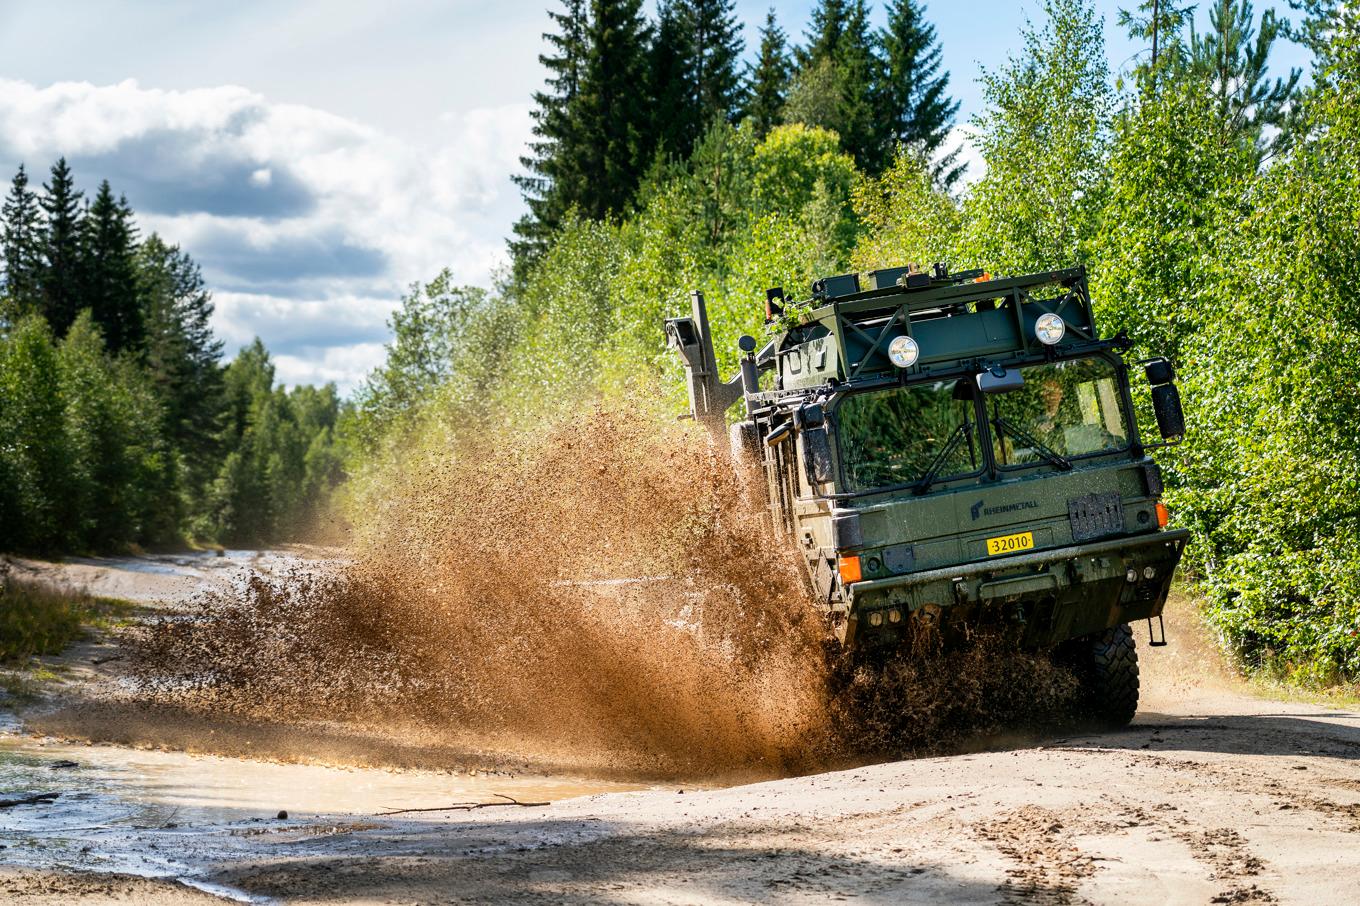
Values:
[(1064, 410), (907, 435)]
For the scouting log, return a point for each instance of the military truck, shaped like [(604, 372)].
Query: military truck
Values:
[(950, 451)]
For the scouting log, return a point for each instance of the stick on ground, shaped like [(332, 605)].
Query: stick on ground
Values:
[(467, 806), (28, 800)]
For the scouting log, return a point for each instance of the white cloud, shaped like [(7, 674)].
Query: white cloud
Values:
[(309, 225)]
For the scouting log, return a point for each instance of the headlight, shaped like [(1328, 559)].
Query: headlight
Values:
[(903, 352), (1049, 328)]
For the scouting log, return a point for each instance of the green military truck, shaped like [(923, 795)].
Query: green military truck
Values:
[(950, 451)]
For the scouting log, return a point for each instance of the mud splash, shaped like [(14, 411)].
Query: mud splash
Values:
[(602, 593)]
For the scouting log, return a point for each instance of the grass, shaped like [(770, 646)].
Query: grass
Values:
[(37, 619)]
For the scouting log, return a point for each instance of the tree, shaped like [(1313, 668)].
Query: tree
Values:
[(21, 243), (770, 79), (836, 85), (429, 332), (554, 177), (108, 272), (1044, 137), (715, 35), (35, 462), (592, 145), (61, 250), (181, 354), (825, 34), (669, 68), (917, 108), (1233, 58), (611, 109), (1159, 23)]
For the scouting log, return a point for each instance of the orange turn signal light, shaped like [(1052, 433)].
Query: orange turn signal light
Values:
[(1163, 515), (849, 568)]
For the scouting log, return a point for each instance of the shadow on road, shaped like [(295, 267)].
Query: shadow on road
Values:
[(592, 862), (1337, 735)]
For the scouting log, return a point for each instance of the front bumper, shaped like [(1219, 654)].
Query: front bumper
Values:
[(1051, 595)]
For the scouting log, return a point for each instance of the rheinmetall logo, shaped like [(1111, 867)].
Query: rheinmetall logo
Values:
[(978, 510)]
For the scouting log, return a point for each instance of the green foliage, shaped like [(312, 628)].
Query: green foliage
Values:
[(1044, 139), (282, 462), (592, 142), (36, 458), (770, 80), (917, 111), (107, 271), (21, 241), (1232, 58), (61, 251)]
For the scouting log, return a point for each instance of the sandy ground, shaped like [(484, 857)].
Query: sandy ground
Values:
[(1212, 796)]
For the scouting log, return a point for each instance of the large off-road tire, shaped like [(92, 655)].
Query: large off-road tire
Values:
[(1109, 675)]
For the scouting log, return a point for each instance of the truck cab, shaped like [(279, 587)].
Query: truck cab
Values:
[(953, 450)]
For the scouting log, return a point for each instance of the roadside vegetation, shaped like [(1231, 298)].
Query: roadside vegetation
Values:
[(1216, 203), (37, 618)]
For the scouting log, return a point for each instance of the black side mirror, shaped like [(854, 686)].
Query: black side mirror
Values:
[(1166, 399), (817, 455), (816, 444), (1166, 402)]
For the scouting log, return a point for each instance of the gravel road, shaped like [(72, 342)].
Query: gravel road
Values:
[(1214, 795)]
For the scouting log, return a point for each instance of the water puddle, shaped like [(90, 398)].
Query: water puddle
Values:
[(171, 814)]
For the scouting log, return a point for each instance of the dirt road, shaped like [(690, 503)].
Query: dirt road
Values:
[(1213, 796)]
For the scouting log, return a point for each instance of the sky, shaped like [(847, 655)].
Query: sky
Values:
[(318, 156)]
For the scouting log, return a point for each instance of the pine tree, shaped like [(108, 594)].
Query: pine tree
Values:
[(1159, 23), (611, 109), (916, 107), (21, 247), (554, 178), (715, 35), (108, 273), (837, 82), (591, 125), (770, 79), (863, 134), (61, 249), (182, 355), (826, 34), (693, 67), (670, 62), (1233, 57)]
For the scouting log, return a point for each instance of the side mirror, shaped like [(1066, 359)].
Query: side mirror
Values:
[(1166, 399), (1166, 402), (817, 455), (816, 444)]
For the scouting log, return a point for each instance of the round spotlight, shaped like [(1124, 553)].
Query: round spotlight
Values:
[(1131, 576), (1149, 573), (1049, 328), (876, 619), (894, 616), (903, 352)]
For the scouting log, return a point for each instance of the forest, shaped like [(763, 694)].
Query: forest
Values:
[(1215, 203), (1214, 200), (119, 424)]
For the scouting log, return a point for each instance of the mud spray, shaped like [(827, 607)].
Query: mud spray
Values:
[(605, 594)]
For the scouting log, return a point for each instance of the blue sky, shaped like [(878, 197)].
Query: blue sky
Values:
[(317, 156)]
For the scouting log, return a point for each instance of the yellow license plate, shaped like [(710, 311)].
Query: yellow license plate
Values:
[(1010, 544)]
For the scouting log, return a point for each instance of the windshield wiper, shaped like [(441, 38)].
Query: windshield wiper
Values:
[(1038, 445), (942, 457)]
